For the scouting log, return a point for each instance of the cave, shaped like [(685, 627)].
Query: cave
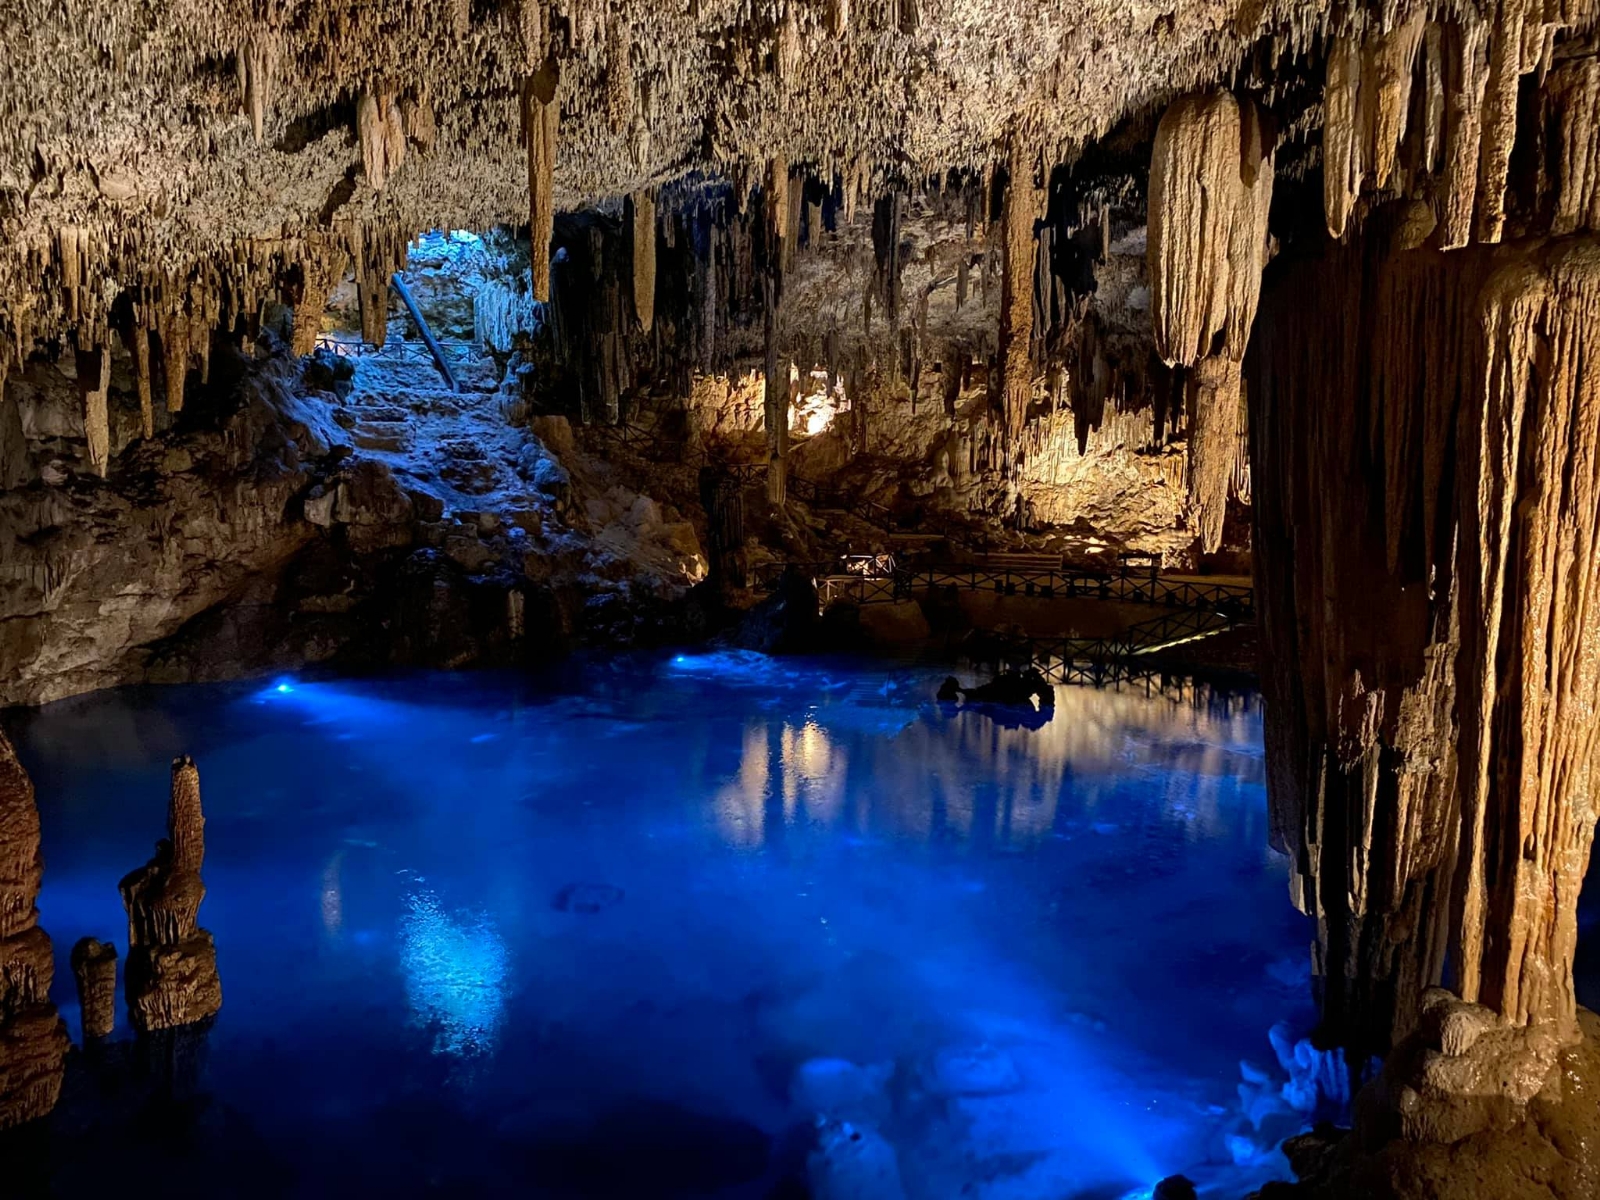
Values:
[(800, 599)]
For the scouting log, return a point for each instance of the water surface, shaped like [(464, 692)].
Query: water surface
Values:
[(628, 931)]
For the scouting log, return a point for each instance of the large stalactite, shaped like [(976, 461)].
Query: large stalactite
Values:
[(1424, 429), (1211, 171)]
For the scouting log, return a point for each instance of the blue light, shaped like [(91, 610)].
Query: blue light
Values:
[(284, 689)]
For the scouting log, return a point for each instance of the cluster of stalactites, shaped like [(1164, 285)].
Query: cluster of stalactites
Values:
[(1429, 108), (1210, 193)]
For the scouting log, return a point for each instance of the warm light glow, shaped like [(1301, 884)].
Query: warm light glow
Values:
[(815, 405)]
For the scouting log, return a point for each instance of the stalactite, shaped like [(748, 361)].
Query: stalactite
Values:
[(1342, 122), (171, 977), (33, 1039), (1213, 407), (1023, 202), (1571, 100), (533, 31), (619, 78), (94, 382), (380, 127), (775, 410), (1530, 514), (1426, 446), (1387, 71), (1211, 173), (541, 118), (838, 17), (137, 339), (643, 211), (1466, 74), (258, 66)]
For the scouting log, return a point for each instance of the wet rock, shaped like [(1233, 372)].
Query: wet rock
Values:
[(973, 1071), (852, 1162), (33, 1038), (171, 978), (786, 622), (587, 897), (94, 968), (901, 622), (1175, 1187), (839, 1089)]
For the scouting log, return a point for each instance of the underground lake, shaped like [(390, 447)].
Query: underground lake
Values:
[(711, 925)]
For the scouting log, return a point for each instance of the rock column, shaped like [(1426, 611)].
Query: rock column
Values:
[(1426, 463), (171, 978), (94, 967), (33, 1038)]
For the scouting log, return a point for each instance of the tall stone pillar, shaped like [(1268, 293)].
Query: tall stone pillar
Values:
[(1425, 445), (33, 1038), (171, 977)]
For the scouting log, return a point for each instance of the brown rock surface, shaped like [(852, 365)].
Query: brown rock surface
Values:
[(171, 977), (33, 1039), (94, 968)]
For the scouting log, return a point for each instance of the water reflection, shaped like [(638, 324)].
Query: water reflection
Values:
[(455, 971), (666, 888)]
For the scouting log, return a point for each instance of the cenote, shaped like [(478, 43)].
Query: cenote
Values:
[(704, 925)]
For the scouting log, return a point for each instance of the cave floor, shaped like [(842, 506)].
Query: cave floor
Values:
[(630, 929)]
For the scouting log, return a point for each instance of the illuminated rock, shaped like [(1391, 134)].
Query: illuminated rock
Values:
[(171, 977)]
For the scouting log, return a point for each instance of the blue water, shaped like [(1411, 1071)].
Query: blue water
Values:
[(628, 931)]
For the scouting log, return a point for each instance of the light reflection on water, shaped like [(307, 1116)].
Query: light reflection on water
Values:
[(672, 884)]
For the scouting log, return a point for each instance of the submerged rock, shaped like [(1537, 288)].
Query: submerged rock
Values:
[(587, 897), (94, 967), (839, 1089), (973, 1071), (852, 1162)]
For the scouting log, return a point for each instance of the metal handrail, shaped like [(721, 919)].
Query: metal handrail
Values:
[(1234, 601)]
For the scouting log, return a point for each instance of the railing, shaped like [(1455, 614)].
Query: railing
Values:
[(1235, 601), (1137, 641), (397, 348)]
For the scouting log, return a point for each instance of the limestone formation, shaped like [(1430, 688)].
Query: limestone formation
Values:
[(171, 977), (1210, 193), (541, 121), (33, 1039), (94, 968), (1423, 789)]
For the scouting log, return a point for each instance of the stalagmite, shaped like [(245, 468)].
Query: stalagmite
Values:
[(33, 1039), (94, 382), (541, 117), (171, 977), (643, 212), (1211, 175), (94, 968)]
